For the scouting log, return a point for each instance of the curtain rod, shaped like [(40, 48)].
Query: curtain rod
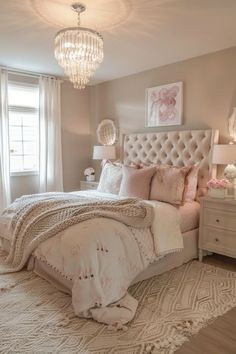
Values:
[(27, 73)]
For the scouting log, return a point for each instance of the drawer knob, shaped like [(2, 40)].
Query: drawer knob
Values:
[(217, 220), (216, 239)]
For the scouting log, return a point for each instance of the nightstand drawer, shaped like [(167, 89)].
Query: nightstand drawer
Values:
[(219, 219), (85, 185), (219, 241), (93, 185), (217, 226)]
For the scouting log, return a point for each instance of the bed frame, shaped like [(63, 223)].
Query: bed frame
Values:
[(177, 148)]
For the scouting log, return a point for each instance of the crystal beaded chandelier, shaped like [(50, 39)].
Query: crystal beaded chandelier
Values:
[(79, 51)]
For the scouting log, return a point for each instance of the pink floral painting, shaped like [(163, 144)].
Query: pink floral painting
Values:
[(164, 105)]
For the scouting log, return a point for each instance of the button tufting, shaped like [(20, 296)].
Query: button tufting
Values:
[(177, 148)]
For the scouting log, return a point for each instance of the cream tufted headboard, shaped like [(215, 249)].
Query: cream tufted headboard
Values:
[(178, 148)]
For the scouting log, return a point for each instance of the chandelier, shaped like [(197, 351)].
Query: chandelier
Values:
[(79, 51)]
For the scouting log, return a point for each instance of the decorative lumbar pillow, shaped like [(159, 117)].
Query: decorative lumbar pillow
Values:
[(168, 184), (110, 178), (136, 182), (190, 190)]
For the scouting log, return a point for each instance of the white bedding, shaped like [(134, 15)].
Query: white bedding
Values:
[(102, 256)]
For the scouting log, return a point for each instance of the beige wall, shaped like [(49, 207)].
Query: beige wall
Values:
[(75, 121), (21, 185), (75, 134), (209, 94)]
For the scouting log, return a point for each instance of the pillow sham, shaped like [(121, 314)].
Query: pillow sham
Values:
[(110, 178), (191, 181), (190, 190), (136, 182), (168, 184)]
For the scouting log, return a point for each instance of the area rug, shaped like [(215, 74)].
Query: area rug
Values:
[(37, 318)]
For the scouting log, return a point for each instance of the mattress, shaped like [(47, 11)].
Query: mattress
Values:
[(189, 216)]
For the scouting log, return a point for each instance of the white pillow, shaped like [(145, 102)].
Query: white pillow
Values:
[(110, 179)]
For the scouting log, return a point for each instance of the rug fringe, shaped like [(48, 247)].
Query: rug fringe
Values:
[(188, 328)]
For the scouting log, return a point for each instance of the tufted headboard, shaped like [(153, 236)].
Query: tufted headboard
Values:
[(177, 148)]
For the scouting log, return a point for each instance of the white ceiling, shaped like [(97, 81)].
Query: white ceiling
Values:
[(138, 34)]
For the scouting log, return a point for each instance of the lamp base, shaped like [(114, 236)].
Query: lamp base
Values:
[(230, 173)]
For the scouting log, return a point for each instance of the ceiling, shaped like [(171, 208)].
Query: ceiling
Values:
[(138, 34)]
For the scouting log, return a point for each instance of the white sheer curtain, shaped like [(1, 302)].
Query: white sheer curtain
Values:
[(50, 159), (5, 192)]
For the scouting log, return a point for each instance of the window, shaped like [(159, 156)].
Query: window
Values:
[(23, 103)]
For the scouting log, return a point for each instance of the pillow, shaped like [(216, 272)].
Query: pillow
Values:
[(168, 184), (190, 190), (110, 178), (136, 182)]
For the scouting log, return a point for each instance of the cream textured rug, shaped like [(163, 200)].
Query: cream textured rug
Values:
[(37, 318)]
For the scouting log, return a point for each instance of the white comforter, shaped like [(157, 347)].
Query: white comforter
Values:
[(102, 256)]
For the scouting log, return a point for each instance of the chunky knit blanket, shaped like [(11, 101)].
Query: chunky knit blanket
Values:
[(40, 217)]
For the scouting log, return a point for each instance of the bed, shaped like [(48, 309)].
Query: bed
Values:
[(178, 148)]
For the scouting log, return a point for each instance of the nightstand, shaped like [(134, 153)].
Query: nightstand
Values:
[(85, 185), (217, 226)]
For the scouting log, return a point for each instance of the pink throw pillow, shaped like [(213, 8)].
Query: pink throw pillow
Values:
[(168, 184), (136, 182)]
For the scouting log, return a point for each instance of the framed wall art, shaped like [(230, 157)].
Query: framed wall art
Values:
[(164, 105)]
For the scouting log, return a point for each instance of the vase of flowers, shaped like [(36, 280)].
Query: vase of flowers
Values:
[(217, 187), (89, 174)]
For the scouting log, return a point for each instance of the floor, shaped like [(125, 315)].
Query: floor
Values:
[(220, 336)]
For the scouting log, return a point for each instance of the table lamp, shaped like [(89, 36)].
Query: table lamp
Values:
[(225, 154), (104, 153)]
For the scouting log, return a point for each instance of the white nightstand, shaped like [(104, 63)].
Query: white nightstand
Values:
[(217, 226), (85, 185)]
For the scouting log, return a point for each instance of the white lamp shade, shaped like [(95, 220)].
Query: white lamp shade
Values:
[(224, 154), (104, 152)]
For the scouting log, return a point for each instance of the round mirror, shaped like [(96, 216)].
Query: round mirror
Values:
[(107, 132)]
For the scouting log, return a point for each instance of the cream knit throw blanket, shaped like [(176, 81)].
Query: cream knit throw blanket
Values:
[(41, 216)]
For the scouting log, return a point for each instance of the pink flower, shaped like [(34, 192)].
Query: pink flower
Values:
[(217, 183)]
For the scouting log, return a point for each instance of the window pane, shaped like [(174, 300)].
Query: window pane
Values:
[(30, 162), (15, 133), (29, 133), (15, 118), (23, 96), (16, 163), (30, 119), (30, 148), (16, 148), (23, 126)]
